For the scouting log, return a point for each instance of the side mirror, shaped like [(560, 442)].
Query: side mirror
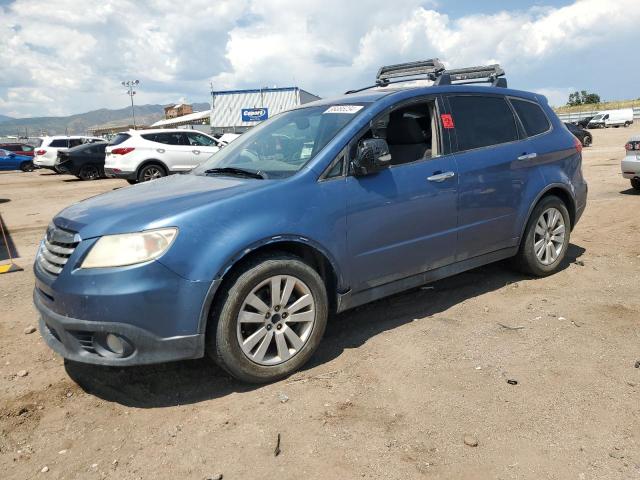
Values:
[(371, 157)]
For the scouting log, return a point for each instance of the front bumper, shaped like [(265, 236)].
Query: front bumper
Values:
[(84, 340), (117, 173), (631, 166)]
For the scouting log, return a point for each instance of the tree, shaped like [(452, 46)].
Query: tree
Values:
[(582, 98)]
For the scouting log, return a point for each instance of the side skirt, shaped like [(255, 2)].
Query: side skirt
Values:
[(350, 300)]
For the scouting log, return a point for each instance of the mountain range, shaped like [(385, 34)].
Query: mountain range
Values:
[(79, 123)]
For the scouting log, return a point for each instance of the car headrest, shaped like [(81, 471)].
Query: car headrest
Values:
[(404, 131)]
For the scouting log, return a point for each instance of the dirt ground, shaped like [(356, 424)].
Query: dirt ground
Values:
[(393, 391)]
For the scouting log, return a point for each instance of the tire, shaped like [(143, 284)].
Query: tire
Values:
[(151, 171), (89, 172), (635, 183), (225, 332), (626, 124), (527, 259), (27, 167), (57, 170), (586, 141)]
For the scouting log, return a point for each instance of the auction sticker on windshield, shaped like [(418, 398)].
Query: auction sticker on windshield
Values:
[(349, 109)]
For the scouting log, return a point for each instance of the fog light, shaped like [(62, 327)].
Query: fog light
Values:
[(115, 344)]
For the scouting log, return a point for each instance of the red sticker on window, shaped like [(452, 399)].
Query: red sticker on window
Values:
[(447, 120)]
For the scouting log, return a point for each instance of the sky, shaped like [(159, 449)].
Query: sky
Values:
[(59, 57)]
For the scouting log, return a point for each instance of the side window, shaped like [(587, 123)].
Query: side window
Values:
[(482, 121), (177, 138), (74, 142), (336, 170), (27, 148), (59, 143), (532, 117), (197, 139), (411, 132)]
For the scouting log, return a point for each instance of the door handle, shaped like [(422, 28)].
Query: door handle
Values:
[(527, 156), (197, 152), (441, 177), (160, 150)]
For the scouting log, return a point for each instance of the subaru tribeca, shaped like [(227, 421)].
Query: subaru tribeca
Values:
[(315, 211)]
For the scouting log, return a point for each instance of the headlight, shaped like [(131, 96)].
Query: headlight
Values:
[(129, 248)]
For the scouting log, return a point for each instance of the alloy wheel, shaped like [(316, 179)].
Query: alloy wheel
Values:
[(276, 320), (152, 173), (549, 236)]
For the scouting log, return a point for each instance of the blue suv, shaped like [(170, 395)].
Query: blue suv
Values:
[(317, 210)]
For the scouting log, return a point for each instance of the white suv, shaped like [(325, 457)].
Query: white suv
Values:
[(46, 152), (142, 155), (631, 162)]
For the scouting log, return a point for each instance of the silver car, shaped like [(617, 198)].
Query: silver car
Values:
[(631, 162)]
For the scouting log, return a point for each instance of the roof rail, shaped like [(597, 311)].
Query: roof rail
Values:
[(479, 74), (428, 68)]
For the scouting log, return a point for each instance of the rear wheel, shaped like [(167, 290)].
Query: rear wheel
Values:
[(626, 124), (586, 141), (269, 320), (546, 238), (635, 183), (89, 172), (152, 171), (27, 167), (57, 169)]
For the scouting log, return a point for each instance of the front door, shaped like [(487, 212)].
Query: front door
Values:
[(402, 220)]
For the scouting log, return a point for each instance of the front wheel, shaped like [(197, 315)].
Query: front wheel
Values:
[(586, 141), (269, 320), (57, 169), (546, 238), (635, 183)]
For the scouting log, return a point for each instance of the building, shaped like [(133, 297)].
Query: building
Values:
[(178, 110), (236, 111), (111, 129), (195, 121)]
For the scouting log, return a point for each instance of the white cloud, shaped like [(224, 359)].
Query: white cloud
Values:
[(64, 56)]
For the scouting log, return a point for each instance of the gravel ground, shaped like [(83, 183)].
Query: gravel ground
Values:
[(401, 388)]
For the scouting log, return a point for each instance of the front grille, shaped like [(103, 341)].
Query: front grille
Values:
[(56, 248)]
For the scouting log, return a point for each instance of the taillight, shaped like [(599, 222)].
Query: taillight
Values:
[(41, 152), (632, 146), (122, 151), (578, 144)]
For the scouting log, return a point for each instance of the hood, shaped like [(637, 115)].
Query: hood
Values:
[(151, 204)]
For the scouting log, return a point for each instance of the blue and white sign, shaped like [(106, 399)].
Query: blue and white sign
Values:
[(254, 114)]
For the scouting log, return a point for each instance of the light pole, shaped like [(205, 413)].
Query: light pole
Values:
[(131, 85)]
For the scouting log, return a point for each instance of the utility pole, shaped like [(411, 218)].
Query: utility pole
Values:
[(131, 86)]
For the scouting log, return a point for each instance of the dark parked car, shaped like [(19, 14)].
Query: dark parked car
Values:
[(315, 211), (19, 148), (583, 122), (84, 161), (581, 134)]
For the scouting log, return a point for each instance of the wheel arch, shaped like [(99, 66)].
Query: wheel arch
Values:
[(563, 193), (150, 161), (311, 252)]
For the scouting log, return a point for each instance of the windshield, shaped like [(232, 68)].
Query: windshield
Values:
[(281, 146), (597, 117)]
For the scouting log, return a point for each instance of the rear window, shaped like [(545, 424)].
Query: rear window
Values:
[(482, 121), (532, 117), (119, 138)]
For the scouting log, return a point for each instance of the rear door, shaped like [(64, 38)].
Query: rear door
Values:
[(493, 174)]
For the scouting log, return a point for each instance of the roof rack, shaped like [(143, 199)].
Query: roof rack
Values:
[(427, 68), (479, 74), (434, 70)]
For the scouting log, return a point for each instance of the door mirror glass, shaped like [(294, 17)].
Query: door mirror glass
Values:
[(371, 157)]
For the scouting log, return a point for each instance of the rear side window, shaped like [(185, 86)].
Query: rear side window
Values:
[(532, 117), (74, 142), (27, 148), (482, 121), (119, 138), (60, 143), (168, 138)]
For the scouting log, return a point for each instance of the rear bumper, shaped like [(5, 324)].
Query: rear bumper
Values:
[(117, 173), (631, 166), (85, 341)]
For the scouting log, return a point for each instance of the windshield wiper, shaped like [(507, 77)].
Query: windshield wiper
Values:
[(235, 171)]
